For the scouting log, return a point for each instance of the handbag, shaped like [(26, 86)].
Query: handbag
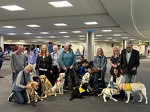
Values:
[(95, 70)]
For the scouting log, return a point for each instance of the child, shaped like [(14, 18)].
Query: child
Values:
[(83, 68)]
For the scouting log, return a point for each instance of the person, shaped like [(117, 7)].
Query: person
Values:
[(50, 47), (56, 66), (83, 68), (115, 60), (77, 52), (44, 62), (116, 79), (32, 57), (18, 89), (129, 63), (67, 62), (100, 63), (18, 62), (2, 57)]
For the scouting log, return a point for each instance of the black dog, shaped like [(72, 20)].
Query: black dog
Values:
[(77, 93), (39, 82)]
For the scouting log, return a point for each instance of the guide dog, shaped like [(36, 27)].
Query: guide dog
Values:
[(109, 92), (134, 87), (59, 84)]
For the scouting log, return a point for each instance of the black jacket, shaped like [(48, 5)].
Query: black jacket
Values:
[(44, 63), (133, 62)]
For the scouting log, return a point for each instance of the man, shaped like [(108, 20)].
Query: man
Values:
[(56, 66), (18, 62), (32, 56), (50, 47), (129, 63)]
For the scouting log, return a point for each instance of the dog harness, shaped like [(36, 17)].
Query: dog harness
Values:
[(127, 87), (81, 90), (48, 82)]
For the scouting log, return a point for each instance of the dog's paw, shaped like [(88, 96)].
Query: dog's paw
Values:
[(127, 101), (105, 101), (28, 102), (139, 100), (146, 102)]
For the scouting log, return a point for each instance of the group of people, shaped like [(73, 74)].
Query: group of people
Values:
[(124, 67)]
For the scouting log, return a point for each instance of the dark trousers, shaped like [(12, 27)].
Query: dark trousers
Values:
[(46, 73), (20, 97), (54, 75), (70, 72), (1, 64)]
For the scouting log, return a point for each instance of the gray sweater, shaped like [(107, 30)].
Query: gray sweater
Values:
[(18, 61)]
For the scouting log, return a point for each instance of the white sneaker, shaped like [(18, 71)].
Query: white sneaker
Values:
[(10, 97)]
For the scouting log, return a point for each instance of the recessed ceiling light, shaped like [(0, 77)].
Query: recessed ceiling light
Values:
[(33, 25), (82, 38), (34, 41), (124, 37), (81, 35), (106, 40), (12, 8), (21, 40), (9, 26), (106, 30), (11, 33), (76, 31), (109, 37), (44, 32), (66, 36), (52, 37), (90, 23), (38, 37), (132, 39), (60, 24), (117, 34), (98, 35), (61, 4), (95, 38), (63, 32), (114, 39), (27, 33), (9, 40)]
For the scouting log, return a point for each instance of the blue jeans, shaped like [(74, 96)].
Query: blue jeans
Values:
[(20, 97), (127, 78)]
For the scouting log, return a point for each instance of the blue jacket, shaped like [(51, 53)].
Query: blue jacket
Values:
[(2, 56), (100, 62), (83, 70), (50, 48), (32, 56), (22, 81), (67, 59)]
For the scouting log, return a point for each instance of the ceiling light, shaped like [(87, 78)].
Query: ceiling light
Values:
[(27, 33), (12, 8), (66, 36), (81, 35), (98, 35), (60, 24), (82, 38), (106, 30), (106, 40), (117, 34), (90, 23), (95, 38), (33, 25), (44, 32), (11, 33), (109, 37), (61, 4), (52, 37), (76, 31), (124, 37), (9, 26), (34, 41), (9, 40), (21, 40), (114, 39), (63, 32), (132, 39), (38, 37)]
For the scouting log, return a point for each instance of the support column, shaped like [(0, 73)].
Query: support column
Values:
[(123, 44), (2, 42), (90, 45)]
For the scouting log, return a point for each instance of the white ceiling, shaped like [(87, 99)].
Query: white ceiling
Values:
[(40, 12)]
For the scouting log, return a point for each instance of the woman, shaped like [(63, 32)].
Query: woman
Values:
[(19, 86), (2, 57), (56, 66), (67, 61), (100, 63), (115, 60), (44, 62)]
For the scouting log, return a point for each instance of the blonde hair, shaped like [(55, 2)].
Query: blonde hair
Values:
[(118, 53), (46, 53), (29, 67), (102, 53)]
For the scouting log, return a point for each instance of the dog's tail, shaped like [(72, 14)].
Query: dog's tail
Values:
[(101, 93), (71, 98)]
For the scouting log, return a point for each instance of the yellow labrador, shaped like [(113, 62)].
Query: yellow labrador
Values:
[(46, 86), (134, 87), (109, 92)]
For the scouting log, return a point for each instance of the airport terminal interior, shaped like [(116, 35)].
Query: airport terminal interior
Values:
[(86, 25)]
